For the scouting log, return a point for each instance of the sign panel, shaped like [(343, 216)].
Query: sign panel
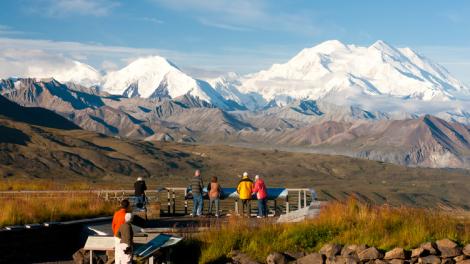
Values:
[(99, 243), (160, 241)]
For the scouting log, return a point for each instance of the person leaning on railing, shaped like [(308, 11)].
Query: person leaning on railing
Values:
[(214, 191), (196, 189), (244, 190), (261, 194), (139, 191)]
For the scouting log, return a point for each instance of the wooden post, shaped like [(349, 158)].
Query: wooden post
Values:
[(185, 202), (169, 201), (287, 204), (91, 256), (236, 206), (305, 198), (275, 207), (300, 201), (174, 202)]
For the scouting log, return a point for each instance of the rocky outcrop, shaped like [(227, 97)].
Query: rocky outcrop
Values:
[(444, 251)]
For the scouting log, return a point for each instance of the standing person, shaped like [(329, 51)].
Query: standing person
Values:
[(139, 191), (262, 196), (196, 190), (214, 189), (244, 190), (126, 236), (119, 218)]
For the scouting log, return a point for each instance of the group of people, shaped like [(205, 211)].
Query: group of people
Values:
[(246, 189)]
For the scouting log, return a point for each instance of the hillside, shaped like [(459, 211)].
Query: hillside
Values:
[(66, 155)]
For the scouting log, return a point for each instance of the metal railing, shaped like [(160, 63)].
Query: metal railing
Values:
[(175, 198)]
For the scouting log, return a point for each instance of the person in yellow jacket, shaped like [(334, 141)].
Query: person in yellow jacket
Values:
[(244, 190)]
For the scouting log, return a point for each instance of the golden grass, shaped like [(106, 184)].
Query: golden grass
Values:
[(42, 185), (344, 223), (24, 210)]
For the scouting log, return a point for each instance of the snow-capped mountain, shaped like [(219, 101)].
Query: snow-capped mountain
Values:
[(333, 70), (78, 73), (154, 77), (62, 70)]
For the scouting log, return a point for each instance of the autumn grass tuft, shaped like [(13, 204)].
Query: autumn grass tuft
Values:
[(27, 210), (350, 222)]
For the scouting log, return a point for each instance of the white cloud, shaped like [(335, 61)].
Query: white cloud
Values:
[(244, 15), (6, 30), (59, 8)]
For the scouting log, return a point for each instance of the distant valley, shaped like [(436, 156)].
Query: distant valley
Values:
[(378, 102)]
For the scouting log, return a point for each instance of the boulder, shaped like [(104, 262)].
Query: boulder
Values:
[(396, 261), (314, 258), (448, 248), (370, 254), (352, 250), (460, 258), (330, 250), (276, 258), (419, 252), (241, 258), (466, 250), (396, 253), (448, 261), (342, 260), (430, 247), (82, 256), (380, 261), (431, 259), (294, 255), (466, 261)]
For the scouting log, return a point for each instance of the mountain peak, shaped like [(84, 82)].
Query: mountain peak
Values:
[(329, 46)]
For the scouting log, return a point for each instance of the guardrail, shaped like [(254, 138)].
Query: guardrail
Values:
[(294, 198)]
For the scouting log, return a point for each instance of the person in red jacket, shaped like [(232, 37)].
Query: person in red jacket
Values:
[(119, 218), (262, 196)]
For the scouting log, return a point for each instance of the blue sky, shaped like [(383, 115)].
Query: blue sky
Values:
[(206, 37)]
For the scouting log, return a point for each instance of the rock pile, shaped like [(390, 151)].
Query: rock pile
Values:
[(444, 251)]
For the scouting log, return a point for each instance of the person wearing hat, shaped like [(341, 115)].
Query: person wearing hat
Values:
[(126, 236), (244, 190), (262, 195), (139, 191)]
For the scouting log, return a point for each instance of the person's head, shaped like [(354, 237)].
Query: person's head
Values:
[(245, 175), (214, 179), (257, 177), (128, 217), (125, 204), (140, 179), (197, 173)]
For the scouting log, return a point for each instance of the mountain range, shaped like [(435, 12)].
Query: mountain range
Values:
[(377, 102)]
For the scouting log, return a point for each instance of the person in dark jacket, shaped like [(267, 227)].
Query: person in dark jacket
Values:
[(196, 190), (139, 191), (214, 190), (126, 235)]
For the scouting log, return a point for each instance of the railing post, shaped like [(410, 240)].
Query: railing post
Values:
[(174, 202), (300, 201), (275, 207), (185, 202), (287, 203), (169, 201), (305, 198), (236, 206)]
